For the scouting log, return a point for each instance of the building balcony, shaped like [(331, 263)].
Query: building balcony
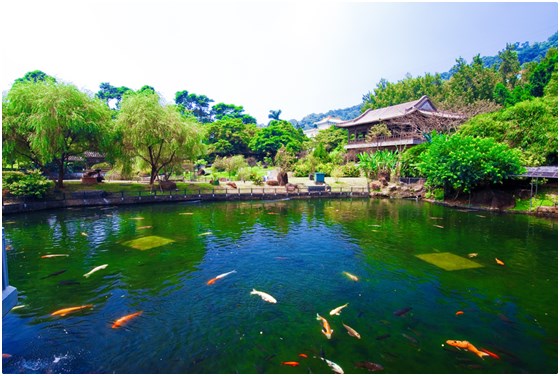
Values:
[(384, 142)]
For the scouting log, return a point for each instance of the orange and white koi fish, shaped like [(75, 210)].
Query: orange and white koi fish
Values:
[(56, 255), (500, 262), (302, 355), (84, 234), (459, 313), (292, 364), (327, 331), (264, 296), (337, 310), (351, 276), (6, 356), (65, 311), (213, 280), (123, 320), (466, 345), (351, 331), (95, 269)]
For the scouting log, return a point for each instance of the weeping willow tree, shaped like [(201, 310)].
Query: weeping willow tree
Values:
[(48, 122), (158, 135)]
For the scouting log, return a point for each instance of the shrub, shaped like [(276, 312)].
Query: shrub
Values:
[(32, 184), (351, 170), (459, 164), (302, 169), (9, 177), (325, 168), (101, 166)]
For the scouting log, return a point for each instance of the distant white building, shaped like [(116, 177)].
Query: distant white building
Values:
[(322, 124)]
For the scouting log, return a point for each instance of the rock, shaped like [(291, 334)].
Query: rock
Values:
[(272, 182), (524, 194), (375, 186), (493, 198), (232, 184), (393, 188), (383, 182), (282, 178), (291, 187)]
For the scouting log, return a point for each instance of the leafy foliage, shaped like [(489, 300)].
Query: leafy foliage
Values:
[(307, 122), (46, 121), (199, 105), (459, 164), (222, 111), (107, 93), (384, 162), (157, 135), (30, 184), (229, 136), (530, 126), (269, 140)]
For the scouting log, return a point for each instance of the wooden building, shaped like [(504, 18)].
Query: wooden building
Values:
[(396, 127)]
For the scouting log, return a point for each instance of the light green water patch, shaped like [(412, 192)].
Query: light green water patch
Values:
[(448, 261), (147, 242)]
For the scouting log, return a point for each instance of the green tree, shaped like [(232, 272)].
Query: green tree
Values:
[(46, 122), (471, 82), (274, 114), (158, 135), (230, 136), (221, 111), (459, 164), (333, 138), (509, 67), (543, 72), (36, 76), (108, 92), (530, 126), (268, 140), (199, 105)]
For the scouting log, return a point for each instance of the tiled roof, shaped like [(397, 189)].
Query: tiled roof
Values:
[(423, 105)]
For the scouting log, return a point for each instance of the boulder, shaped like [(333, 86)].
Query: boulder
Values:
[(272, 182), (232, 184), (375, 185), (282, 178)]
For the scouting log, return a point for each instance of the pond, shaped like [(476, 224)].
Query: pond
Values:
[(406, 270)]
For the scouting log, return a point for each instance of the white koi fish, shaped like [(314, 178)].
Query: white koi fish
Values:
[(335, 367), (266, 297), (95, 269), (351, 331), (337, 310)]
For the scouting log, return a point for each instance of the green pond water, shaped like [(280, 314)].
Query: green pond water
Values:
[(411, 260)]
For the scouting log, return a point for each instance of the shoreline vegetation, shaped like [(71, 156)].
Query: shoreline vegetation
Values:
[(76, 194)]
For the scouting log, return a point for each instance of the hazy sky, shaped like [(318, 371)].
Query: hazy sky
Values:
[(300, 57)]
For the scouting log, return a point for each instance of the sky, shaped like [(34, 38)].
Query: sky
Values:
[(299, 57)]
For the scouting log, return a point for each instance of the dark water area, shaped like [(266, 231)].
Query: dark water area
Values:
[(411, 261)]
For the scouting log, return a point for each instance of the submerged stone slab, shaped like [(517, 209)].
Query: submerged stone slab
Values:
[(449, 261), (147, 242)]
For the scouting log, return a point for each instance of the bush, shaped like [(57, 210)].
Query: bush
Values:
[(101, 166), (302, 169), (9, 177), (351, 170), (325, 168), (32, 184), (461, 163)]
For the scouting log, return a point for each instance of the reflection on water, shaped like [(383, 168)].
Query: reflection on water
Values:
[(160, 258)]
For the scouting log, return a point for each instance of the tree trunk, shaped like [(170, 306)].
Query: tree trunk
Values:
[(153, 175), (60, 182)]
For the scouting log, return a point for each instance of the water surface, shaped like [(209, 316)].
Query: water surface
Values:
[(160, 258)]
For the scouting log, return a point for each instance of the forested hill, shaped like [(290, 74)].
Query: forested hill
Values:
[(344, 114), (525, 52)]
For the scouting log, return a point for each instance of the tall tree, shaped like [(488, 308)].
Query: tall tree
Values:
[(268, 140), (158, 135), (199, 105), (108, 93), (222, 110), (274, 114), (543, 72), (509, 67), (35, 76), (45, 122), (229, 136)]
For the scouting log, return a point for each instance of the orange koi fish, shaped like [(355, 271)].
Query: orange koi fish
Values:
[(302, 355), (57, 255), (291, 364), (327, 331), (500, 262), (123, 320), (213, 280), (459, 313), (6, 356), (466, 345), (65, 311)]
